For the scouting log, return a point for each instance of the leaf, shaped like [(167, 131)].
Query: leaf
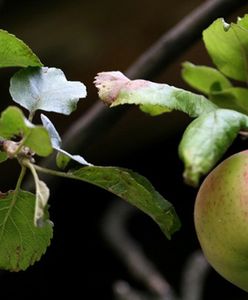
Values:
[(39, 141), (42, 194), (243, 22), (46, 89), (64, 157), (115, 89), (15, 53), (3, 156), (136, 190), (235, 98), (213, 83), (154, 110), (206, 139), (41, 198), (228, 47), (13, 123), (53, 133), (22, 244), (204, 79), (62, 160)]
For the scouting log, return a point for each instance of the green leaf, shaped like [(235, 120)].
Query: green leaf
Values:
[(22, 244), (206, 139), (13, 123), (115, 89), (64, 158), (136, 190), (228, 47), (243, 21), (3, 156), (15, 53), (154, 110), (235, 98), (204, 79), (39, 141), (46, 89)]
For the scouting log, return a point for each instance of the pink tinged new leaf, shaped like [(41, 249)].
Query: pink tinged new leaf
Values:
[(109, 85), (114, 89)]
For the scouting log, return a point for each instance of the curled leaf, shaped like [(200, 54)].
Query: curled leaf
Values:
[(64, 157), (114, 89), (42, 196), (206, 139)]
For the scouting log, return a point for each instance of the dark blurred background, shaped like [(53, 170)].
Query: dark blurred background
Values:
[(83, 38)]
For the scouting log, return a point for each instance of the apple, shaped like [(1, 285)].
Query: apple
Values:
[(221, 219)]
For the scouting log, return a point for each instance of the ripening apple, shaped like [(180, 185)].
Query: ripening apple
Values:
[(221, 219)]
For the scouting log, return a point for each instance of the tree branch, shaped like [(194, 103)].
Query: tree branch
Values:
[(114, 230), (194, 274), (179, 38), (99, 118)]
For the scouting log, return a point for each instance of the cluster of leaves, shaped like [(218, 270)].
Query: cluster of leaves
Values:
[(220, 113), (25, 228)]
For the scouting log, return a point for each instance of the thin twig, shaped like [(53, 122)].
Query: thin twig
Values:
[(194, 272), (194, 275), (99, 119), (179, 38), (123, 291), (114, 230)]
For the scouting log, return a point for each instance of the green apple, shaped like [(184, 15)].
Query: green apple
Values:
[(221, 219)]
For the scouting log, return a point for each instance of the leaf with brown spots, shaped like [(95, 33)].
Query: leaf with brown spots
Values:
[(21, 243)]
